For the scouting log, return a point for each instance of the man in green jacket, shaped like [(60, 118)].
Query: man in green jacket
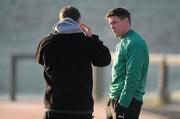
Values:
[(129, 71)]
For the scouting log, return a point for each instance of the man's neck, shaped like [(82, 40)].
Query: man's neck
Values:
[(127, 29)]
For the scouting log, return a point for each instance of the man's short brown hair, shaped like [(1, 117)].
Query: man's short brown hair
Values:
[(119, 12), (70, 12)]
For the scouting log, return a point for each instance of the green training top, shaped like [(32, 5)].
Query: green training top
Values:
[(130, 67)]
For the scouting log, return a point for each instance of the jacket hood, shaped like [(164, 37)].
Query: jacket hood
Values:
[(67, 26)]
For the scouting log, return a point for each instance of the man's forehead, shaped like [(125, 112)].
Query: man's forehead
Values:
[(113, 18)]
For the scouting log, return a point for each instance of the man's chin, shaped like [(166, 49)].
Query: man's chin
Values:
[(117, 35)]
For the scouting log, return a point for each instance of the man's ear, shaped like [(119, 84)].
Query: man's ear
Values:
[(126, 20)]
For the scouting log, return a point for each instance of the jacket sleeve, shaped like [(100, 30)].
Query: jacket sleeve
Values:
[(135, 56), (40, 50), (99, 53)]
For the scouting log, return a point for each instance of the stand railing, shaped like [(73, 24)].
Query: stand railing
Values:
[(162, 60)]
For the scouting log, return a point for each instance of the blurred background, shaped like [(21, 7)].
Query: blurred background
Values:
[(24, 22)]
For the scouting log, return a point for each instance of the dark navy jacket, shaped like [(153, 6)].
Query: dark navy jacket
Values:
[(67, 60)]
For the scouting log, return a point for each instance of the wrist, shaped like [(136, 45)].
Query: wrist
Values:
[(89, 35), (120, 108)]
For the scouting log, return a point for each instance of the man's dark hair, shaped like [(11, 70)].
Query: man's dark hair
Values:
[(71, 12), (119, 12)]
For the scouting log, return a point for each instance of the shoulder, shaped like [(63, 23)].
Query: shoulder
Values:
[(47, 38), (44, 42), (135, 40)]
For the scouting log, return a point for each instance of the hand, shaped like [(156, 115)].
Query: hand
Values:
[(119, 111), (86, 29)]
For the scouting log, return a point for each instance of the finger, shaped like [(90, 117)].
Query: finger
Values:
[(84, 26)]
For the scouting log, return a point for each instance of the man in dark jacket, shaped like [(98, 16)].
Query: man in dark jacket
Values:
[(66, 56)]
